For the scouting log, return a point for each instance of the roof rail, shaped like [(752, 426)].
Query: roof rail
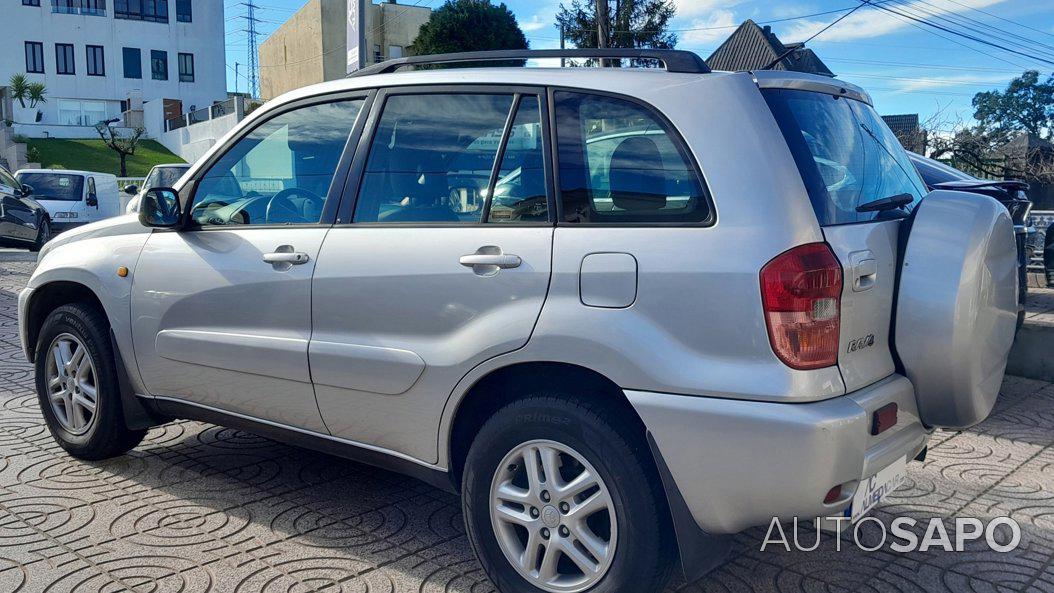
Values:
[(673, 59)]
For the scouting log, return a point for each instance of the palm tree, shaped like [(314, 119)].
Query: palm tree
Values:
[(19, 87), (36, 93)]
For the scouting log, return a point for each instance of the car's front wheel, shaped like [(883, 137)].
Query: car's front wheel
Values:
[(559, 497), (43, 236), (77, 384)]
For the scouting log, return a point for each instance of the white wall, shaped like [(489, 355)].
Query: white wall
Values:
[(189, 142), (204, 37)]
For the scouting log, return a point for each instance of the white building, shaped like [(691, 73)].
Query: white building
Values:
[(101, 58)]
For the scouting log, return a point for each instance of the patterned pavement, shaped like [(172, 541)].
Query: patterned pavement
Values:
[(202, 509)]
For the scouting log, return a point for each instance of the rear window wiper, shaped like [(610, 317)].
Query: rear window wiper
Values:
[(890, 203)]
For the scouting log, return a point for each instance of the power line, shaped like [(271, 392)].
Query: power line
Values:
[(951, 31)]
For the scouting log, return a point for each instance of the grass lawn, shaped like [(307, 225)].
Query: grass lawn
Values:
[(93, 155)]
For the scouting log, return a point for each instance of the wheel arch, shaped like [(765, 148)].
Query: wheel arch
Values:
[(503, 385), (50, 296)]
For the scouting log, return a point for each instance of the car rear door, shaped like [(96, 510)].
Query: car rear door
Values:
[(427, 276), (221, 310), (848, 158), (932, 283)]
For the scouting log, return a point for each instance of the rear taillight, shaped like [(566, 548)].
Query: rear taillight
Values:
[(801, 292)]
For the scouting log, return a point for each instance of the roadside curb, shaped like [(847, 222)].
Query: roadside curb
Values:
[(1033, 353)]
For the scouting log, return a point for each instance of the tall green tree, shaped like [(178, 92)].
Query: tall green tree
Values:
[(1027, 105), (469, 25), (631, 23)]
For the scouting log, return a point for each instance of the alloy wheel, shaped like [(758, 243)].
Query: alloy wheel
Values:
[(553, 517), (72, 383)]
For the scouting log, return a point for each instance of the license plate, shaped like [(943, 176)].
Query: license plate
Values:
[(874, 489), (65, 215)]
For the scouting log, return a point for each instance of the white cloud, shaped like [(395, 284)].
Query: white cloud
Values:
[(716, 26), (938, 82), (873, 22), (537, 23)]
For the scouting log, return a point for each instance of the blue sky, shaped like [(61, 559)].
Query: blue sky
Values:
[(909, 68)]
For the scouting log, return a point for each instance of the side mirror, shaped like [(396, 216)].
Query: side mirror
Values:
[(159, 208), (131, 190), (27, 190), (92, 200)]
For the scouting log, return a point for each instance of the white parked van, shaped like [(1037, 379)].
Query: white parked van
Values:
[(73, 198)]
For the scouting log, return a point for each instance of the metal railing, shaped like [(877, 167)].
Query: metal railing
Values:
[(82, 7), (228, 107)]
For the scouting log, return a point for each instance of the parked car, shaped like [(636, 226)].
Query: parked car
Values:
[(1011, 194), (159, 176), (703, 328), (73, 198), (23, 221)]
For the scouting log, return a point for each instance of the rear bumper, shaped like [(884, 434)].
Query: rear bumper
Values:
[(738, 464), (23, 322)]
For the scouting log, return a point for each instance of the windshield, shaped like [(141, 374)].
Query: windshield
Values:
[(54, 186), (164, 176), (846, 154)]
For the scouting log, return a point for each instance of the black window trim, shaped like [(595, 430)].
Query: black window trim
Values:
[(350, 197), (671, 131), (36, 45), (100, 63), (69, 59), (336, 187), (163, 52)]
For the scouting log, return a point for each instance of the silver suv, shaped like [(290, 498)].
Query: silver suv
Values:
[(625, 312)]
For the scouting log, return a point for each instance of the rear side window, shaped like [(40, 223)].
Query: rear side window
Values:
[(620, 164), (846, 154)]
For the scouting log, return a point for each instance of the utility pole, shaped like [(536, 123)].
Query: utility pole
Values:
[(236, 65), (602, 28), (250, 29), (563, 61)]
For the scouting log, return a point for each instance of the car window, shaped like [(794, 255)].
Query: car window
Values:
[(280, 172), (845, 152), (432, 157), (619, 163), (519, 191), (8, 180), (163, 176), (54, 186)]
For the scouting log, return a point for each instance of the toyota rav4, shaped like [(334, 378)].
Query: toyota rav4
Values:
[(624, 312)]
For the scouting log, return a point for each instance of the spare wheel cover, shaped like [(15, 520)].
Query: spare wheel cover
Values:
[(957, 306)]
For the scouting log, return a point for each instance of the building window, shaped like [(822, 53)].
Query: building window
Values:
[(93, 7), (65, 6), (64, 63), (186, 67), (158, 64), (30, 2), (81, 113), (141, 10), (133, 62), (184, 11), (96, 61), (35, 57)]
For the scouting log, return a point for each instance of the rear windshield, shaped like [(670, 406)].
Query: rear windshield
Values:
[(54, 186), (934, 172), (845, 153)]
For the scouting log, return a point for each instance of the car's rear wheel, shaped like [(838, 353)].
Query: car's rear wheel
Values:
[(560, 498), (77, 384)]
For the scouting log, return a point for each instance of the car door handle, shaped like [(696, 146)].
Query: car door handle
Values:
[(865, 273), (489, 260), (501, 260), (287, 257)]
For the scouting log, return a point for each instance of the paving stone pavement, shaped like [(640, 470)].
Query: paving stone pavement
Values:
[(202, 509)]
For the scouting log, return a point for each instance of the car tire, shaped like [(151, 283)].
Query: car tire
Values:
[(87, 416), (43, 236), (640, 533)]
